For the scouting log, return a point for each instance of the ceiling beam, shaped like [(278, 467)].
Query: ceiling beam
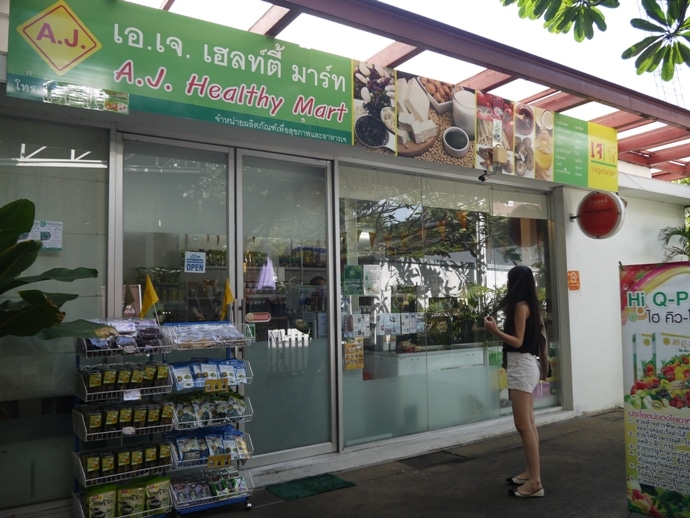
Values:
[(486, 80), (400, 25), (273, 21), (652, 138), (669, 154), (560, 101), (621, 120), (395, 54)]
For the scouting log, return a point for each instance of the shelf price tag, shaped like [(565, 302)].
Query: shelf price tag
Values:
[(216, 385), (219, 461), (131, 395)]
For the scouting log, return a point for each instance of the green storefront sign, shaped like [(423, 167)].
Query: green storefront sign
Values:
[(119, 57)]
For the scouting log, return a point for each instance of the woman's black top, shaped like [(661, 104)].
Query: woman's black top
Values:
[(529, 342)]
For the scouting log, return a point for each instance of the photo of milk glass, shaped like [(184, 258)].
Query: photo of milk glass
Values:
[(464, 111)]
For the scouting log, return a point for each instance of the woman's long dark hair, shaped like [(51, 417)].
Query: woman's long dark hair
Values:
[(521, 288)]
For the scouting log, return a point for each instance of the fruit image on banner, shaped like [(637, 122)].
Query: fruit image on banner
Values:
[(655, 319)]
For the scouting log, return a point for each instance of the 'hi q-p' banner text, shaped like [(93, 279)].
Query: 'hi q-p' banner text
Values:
[(655, 311)]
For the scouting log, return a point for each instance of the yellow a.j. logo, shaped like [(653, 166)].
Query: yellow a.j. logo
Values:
[(59, 37)]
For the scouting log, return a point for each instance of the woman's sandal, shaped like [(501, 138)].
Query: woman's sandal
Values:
[(517, 481), (516, 493)]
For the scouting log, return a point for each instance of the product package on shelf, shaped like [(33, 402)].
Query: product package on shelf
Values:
[(211, 447), (197, 410), (205, 335), (122, 381), (195, 374), (122, 419), (133, 337), (147, 497), (210, 487), (108, 465)]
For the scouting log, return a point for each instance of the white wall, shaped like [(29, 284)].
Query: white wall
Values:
[(595, 350)]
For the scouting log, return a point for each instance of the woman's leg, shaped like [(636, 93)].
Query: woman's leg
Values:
[(523, 416)]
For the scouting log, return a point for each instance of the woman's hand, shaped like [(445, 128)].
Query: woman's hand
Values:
[(490, 324)]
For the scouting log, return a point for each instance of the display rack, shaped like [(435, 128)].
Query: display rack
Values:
[(127, 394), (120, 458), (209, 475)]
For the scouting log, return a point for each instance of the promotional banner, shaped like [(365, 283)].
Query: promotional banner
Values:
[(120, 57), (655, 316)]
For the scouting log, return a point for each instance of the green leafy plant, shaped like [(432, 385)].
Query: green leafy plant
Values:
[(679, 235), (668, 23), (36, 312)]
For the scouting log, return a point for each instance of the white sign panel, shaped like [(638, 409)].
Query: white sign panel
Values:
[(47, 232), (195, 262)]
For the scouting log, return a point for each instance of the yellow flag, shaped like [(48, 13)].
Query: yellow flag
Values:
[(150, 297), (228, 298)]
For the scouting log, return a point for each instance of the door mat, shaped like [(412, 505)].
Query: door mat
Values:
[(308, 486)]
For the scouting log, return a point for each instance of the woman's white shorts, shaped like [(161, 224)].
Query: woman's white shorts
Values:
[(523, 372)]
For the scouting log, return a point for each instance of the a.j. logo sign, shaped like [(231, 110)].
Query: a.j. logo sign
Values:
[(59, 37)]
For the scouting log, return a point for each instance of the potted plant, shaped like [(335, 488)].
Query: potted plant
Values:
[(36, 311)]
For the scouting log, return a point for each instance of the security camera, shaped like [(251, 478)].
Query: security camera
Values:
[(484, 176)]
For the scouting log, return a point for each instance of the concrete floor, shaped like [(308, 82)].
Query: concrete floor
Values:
[(583, 474)]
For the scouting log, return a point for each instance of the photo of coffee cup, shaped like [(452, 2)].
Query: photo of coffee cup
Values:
[(456, 142)]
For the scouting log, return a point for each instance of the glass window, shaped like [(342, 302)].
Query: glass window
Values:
[(64, 170), (175, 204), (423, 260)]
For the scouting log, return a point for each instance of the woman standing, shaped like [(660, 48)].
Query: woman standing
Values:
[(520, 331)]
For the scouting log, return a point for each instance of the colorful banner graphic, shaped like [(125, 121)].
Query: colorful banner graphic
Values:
[(655, 316), (120, 57)]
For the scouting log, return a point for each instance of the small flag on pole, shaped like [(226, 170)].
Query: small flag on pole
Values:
[(150, 297), (228, 298)]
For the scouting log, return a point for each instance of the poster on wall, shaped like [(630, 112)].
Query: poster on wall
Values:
[(655, 319)]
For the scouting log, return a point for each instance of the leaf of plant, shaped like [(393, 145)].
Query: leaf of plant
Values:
[(684, 53), (650, 58), (646, 25), (78, 329), (59, 299), (676, 9), (553, 10), (599, 19), (15, 259), (16, 218), (567, 16), (588, 24), (578, 29), (638, 47), (540, 7), (669, 66), (654, 11)]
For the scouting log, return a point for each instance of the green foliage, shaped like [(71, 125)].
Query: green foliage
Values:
[(676, 241), (36, 311), (667, 46)]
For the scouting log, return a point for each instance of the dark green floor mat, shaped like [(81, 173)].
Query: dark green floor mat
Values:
[(308, 486)]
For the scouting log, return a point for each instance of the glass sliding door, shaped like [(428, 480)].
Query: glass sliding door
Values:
[(285, 248), (423, 261), (175, 202)]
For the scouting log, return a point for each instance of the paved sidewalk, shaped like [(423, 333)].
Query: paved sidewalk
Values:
[(582, 470)]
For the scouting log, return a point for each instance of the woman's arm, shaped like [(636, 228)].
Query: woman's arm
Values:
[(521, 316)]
